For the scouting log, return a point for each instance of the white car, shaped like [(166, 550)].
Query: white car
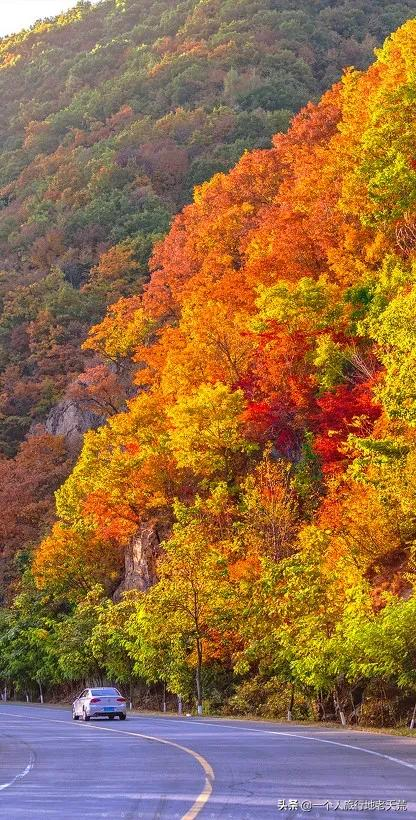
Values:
[(99, 702)]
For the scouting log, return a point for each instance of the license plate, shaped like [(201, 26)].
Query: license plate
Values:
[(109, 708)]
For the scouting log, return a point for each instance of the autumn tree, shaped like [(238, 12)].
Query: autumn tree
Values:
[(189, 602)]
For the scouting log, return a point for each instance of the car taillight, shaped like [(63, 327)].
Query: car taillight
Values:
[(121, 700), (95, 700)]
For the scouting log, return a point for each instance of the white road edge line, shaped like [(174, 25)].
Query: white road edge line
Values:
[(293, 736), (21, 775), (203, 796)]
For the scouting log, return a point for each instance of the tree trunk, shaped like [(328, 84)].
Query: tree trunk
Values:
[(382, 696), (198, 677), (40, 691), (164, 696), (356, 708), (321, 706), (179, 704), (338, 708), (291, 704), (130, 695), (413, 720)]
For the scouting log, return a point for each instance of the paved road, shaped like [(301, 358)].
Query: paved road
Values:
[(168, 768)]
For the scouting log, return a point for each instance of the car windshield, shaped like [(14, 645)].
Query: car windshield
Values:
[(104, 692)]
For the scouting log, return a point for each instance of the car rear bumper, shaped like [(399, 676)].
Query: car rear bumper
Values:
[(102, 713)]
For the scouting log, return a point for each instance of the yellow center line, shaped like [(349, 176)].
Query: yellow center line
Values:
[(206, 792)]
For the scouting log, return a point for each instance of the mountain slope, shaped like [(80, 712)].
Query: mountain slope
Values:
[(271, 443), (110, 115), (267, 428)]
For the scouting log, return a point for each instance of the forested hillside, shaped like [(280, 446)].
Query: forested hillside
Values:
[(260, 388), (110, 115)]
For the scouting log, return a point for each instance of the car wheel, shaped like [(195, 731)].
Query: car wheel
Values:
[(122, 716), (85, 716), (111, 717), (74, 716)]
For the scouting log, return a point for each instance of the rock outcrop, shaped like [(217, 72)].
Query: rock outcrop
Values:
[(71, 420), (140, 560)]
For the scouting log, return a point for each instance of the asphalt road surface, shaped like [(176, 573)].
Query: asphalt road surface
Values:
[(170, 768)]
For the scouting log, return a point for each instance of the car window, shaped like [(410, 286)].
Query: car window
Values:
[(109, 691)]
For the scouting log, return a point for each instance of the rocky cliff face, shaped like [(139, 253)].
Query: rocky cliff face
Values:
[(140, 560), (71, 420)]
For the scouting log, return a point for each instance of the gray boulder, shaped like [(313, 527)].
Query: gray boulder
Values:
[(72, 421), (140, 560)]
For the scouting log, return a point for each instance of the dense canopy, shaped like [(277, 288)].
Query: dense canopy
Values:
[(267, 440), (111, 114)]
